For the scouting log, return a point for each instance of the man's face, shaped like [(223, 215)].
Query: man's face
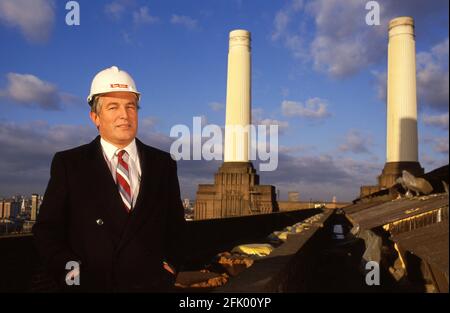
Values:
[(117, 118)]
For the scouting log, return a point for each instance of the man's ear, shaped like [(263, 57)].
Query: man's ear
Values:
[(94, 118)]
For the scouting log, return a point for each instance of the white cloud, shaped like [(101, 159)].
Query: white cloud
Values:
[(30, 91), (338, 58), (339, 44), (283, 18), (431, 162), (40, 138), (428, 160), (441, 145), (291, 39), (142, 16), (280, 23), (148, 123), (27, 150), (440, 121), (437, 144), (34, 18), (259, 119), (333, 34), (356, 142), (433, 76), (314, 108), (321, 176), (216, 106), (282, 125), (380, 84), (115, 9), (184, 21), (126, 36), (303, 149), (343, 43)]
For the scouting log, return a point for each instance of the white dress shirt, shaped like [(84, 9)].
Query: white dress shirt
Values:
[(134, 167)]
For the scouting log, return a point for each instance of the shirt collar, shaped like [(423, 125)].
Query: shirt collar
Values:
[(110, 150)]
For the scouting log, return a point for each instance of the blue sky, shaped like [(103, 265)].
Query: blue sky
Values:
[(318, 72)]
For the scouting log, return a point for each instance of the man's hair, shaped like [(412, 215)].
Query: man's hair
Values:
[(96, 105)]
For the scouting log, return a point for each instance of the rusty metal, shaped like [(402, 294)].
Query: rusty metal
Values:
[(371, 215), (430, 244)]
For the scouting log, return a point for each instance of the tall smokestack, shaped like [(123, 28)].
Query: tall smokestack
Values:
[(238, 105), (401, 135), (236, 190), (402, 143)]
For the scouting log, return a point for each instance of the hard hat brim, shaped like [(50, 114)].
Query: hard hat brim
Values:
[(90, 98)]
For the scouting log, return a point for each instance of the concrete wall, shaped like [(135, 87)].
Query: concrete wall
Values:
[(292, 267), (206, 238), (21, 270)]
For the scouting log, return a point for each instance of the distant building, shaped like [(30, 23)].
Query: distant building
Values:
[(2, 203), (23, 206), (188, 209), (236, 192), (6, 210), (9, 209), (34, 206), (27, 226), (15, 209), (293, 196)]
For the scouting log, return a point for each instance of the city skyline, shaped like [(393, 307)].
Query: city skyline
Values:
[(318, 72)]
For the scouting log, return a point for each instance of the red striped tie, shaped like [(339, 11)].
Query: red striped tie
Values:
[(123, 179)]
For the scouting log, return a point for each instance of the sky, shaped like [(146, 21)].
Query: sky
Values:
[(318, 72)]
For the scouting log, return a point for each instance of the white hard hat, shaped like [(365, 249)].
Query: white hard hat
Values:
[(112, 80)]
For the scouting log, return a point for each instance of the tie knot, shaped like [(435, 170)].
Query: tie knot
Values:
[(121, 154)]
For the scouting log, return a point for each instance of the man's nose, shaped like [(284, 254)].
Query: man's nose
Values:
[(123, 113)]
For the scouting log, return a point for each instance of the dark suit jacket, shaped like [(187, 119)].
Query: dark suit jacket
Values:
[(82, 218)]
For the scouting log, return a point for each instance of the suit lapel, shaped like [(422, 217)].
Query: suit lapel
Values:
[(143, 210)]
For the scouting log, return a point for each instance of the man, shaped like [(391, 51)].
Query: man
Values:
[(112, 218)]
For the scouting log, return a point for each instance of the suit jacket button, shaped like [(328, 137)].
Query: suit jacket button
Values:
[(99, 222)]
